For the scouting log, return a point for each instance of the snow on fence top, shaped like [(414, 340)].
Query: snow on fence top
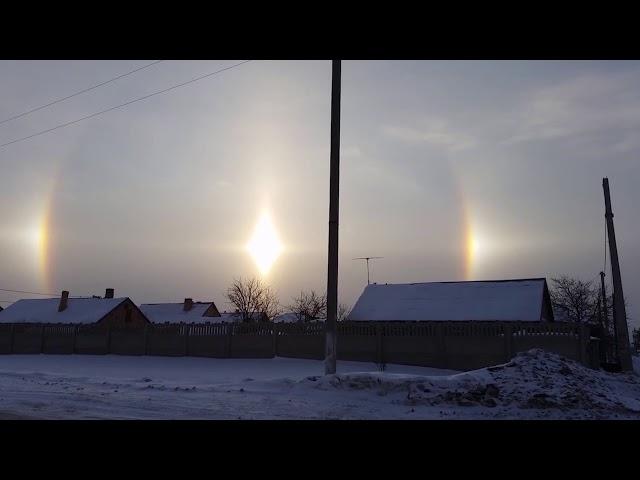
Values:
[(499, 300), (45, 310)]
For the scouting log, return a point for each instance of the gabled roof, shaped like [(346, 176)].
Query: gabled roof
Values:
[(288, 317), (200, 312), (519, 299), (45, 310)]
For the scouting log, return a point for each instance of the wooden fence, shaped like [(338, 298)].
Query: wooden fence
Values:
[(453, 345)]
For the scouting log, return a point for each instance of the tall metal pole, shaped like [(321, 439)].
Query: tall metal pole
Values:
[(619, 310), (334, 191), (368, 282)]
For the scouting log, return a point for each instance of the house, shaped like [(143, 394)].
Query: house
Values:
[(191, 312), (291, 317), (183, 312), (108, 311), (490, 300), (237, 316), (288, 317)]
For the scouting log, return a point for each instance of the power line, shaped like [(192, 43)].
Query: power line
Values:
[(78, 93), (123, 104), (31, 293)]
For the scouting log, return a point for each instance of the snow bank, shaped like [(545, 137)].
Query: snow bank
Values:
[(534, 385), (532, 380)]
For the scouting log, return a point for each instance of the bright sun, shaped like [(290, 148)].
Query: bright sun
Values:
[(264, 246)]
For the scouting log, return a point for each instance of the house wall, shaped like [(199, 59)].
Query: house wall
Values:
[(119, 318)]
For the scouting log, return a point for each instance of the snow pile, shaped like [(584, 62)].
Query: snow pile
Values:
[(535, 380)]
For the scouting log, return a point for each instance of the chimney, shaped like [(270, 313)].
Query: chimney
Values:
[(108, 293), (63, 301), (188, 304)]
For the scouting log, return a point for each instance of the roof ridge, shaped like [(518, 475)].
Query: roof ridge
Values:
[(465, 281), (178, 303)]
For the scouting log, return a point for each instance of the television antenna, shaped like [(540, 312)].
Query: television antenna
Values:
[(367, 259)]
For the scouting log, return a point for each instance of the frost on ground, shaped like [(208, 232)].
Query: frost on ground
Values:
[(535, 384)]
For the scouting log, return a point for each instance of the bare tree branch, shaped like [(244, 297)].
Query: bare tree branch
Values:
[(252, 298)]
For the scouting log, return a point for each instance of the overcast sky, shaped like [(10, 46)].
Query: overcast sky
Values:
[(449, 170)]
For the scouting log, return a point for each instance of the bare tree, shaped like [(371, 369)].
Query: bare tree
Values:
[(252, 297), (343, 312), (574, 300), (309, 306)]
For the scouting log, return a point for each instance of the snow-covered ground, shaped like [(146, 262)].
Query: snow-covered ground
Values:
[(534, 384)]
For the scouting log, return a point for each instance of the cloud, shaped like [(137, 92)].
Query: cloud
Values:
[(584, 105), (352, 151), (433, 132)]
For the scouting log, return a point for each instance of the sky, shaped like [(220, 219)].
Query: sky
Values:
[(450, 170)]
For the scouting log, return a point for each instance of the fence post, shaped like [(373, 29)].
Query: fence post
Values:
[(508, 342), (75, 336), (108, 339), (229, 334), (274, 331), (13, 334), (42, 339), (186, 339), (583, 338), (379, 350), (442, 346), (146, 338)]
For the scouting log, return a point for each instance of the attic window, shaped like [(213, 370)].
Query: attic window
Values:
[(127, 315)]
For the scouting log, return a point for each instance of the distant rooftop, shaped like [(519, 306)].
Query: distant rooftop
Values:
[(200, 312), (516, 299), (45, 310)]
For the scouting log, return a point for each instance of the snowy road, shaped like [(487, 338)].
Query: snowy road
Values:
[(121, 387), (533, 385)]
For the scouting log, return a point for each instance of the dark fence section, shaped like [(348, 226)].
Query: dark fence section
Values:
[(91, 340), (453, 345)]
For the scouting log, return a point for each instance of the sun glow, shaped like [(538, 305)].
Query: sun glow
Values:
[(264, 246), (479, 249)]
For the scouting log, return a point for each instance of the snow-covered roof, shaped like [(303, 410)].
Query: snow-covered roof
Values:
[(175, 312), (45, 310), (288, 317), (478, 300)]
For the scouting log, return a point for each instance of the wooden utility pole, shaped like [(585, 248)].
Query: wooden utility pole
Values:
[(334, 192), (619, 310), (605, 308), (607, 331)]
